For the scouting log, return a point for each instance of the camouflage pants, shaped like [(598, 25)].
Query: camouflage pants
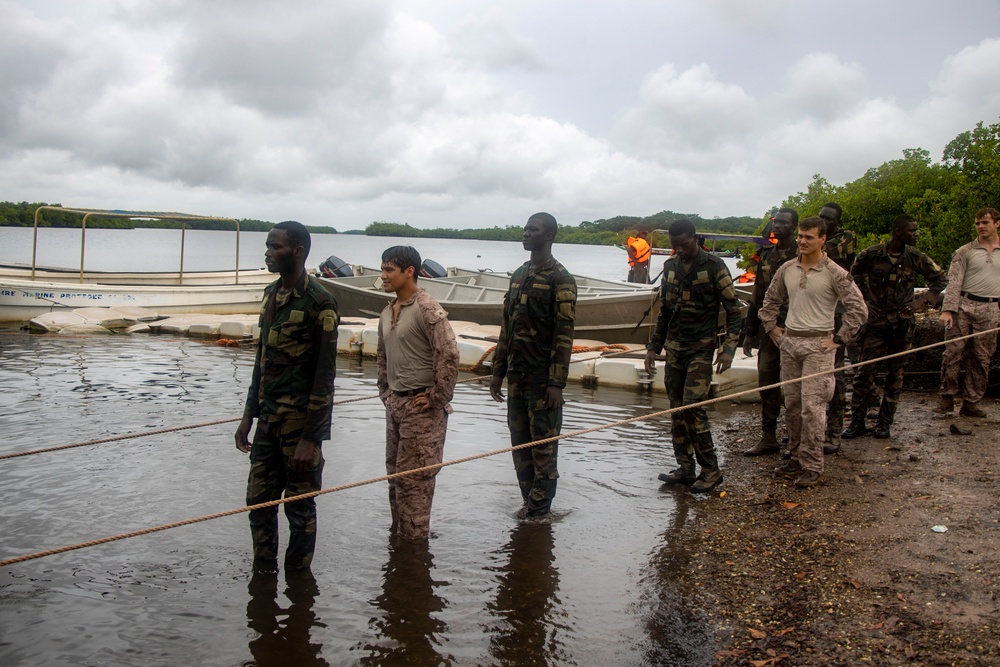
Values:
[(974, 354), (878, 342), (413, 439), (835, 410), (805, 402), (768, 372), (271, 476), (528, 421), (688, 376)]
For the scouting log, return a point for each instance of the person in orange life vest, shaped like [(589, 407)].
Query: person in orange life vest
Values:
[(638, 258)]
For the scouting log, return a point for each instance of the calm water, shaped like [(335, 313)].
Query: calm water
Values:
[(159, 250), (597, 586)]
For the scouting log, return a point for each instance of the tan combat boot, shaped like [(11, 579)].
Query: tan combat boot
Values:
[(946, 405)]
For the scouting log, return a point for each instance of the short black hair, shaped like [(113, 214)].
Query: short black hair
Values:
[(901, 220), (836, 207), (403, 257), (298, 234), (792, 212), (681, 226), (548, 221)]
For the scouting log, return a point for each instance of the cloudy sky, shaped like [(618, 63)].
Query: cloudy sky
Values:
[(470, 114)]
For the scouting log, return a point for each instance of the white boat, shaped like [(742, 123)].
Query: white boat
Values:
[(27, 290), (605, 310)]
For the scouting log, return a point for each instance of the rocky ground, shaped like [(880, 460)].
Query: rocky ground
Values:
[(853, 572)]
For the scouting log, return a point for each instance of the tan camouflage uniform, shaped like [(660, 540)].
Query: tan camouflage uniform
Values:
[(970, 316), (414, 439), (802, 354)]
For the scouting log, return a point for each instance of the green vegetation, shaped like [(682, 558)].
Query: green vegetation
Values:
[(23, 215)]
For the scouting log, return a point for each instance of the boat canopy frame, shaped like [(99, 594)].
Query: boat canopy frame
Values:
[(145, 215)]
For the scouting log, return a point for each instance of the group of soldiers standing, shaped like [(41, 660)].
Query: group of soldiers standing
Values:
[(813, 295)]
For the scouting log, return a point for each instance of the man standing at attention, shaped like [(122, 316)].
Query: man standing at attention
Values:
[(970, 305), (533, 353), (417, 372), (638, 258), (291, 396), (841, 247), (768, 357), (885, 274), (811, 286), (694, 286)]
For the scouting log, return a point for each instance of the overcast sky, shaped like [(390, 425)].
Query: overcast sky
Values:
[(474, 114)]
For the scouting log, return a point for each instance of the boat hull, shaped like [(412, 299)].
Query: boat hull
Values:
[(607, 316), (21, 300)]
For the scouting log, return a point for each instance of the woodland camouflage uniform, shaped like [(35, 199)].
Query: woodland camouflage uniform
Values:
[(688, 329), (533, 353), (291, 395), (842, 248), (887, 286)]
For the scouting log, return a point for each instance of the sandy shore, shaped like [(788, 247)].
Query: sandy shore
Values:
[(851, 572)]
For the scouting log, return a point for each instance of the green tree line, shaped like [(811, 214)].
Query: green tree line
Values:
[(22, 214)]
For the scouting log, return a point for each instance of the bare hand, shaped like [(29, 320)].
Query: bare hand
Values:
[(829, 345), (422, 402), (496, 384), (748, 346), (553, 398), (304, 456), (946, 319), (243, 434), (650, 362), (722, 362), (776, 334), (915, 306)]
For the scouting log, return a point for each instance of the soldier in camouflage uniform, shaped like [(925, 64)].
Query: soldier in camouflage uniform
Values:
[(841, 247), (291, 396), (695, 285), (886, 274), (417, 372), (769, 357), (533, 353), (970, 306)]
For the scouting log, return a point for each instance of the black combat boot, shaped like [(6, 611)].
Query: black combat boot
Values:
[(882, 429), (857, 427), (711, 475)]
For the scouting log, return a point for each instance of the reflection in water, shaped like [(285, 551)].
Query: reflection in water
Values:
[(526, 600), (409, 604), (283, 641), (678, 633)]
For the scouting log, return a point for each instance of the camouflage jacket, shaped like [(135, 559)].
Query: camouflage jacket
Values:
[(433, 356), (536, 333), (888, 286), (842, 248), (296, 361), (769, 259), (690, 303)]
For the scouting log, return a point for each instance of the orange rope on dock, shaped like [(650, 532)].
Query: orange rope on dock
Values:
[(438, 466)]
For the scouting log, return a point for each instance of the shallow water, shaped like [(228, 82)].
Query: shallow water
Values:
[(596, 586)]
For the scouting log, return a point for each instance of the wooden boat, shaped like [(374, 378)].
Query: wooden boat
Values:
[(605, 310), (27, 291)]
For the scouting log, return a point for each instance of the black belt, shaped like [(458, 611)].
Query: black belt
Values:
[(981, 299), (410, 392), (806, 334)]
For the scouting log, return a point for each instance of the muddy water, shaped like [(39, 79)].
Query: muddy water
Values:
[(597, 585)]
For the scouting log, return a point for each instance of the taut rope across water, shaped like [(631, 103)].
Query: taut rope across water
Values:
[(437, 466)]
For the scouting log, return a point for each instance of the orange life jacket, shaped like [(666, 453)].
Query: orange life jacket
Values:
[(641, 249)]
